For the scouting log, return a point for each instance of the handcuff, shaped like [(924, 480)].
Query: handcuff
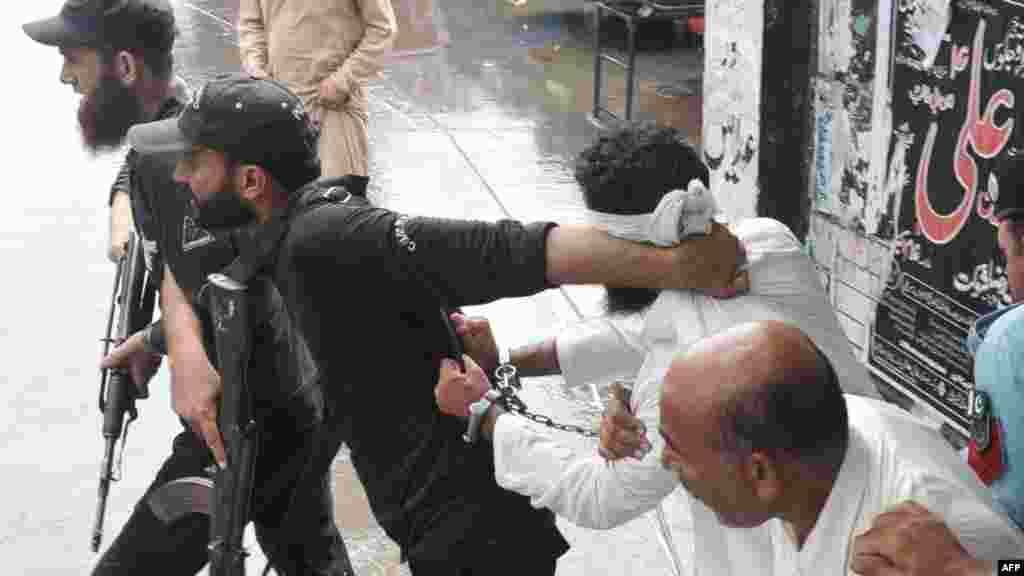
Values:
[(478, 409)]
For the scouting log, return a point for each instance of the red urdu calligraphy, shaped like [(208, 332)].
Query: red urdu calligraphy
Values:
[(978, 133)]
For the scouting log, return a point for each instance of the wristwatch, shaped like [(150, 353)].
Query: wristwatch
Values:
[(477, 411)]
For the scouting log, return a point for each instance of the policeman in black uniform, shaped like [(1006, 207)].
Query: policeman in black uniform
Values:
[(365, 287), (118, 55)]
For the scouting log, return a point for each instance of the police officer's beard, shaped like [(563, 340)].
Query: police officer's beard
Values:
[(225, 209), (628, 300), (105, 116)]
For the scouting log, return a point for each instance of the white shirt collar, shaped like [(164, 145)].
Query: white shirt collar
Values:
[(829, 540)]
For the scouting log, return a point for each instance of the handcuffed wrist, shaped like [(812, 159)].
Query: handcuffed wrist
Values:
[(477, 412)]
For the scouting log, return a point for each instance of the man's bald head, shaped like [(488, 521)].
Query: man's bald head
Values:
[(766, 388)]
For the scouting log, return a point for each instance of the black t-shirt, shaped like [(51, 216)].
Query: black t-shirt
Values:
[(365, 286), (283, 376)]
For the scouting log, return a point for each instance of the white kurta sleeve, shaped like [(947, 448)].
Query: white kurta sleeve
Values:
[(581, 486), (599, 350)]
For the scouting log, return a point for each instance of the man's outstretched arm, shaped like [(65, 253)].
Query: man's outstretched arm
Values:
[(580, 487), (595, 350), (472, 262), (584, 255)]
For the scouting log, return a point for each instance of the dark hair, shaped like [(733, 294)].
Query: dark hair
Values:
[(628, 170), (1009, 169), (145, 30), (800, 414)]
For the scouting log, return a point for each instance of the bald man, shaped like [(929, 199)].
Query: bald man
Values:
[(784, 470)]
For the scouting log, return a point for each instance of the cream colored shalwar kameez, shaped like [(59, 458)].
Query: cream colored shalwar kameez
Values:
[(302, 42)]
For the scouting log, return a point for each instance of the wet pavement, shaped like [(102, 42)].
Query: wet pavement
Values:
[(477, 115)]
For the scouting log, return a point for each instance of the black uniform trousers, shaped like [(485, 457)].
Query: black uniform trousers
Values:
[(295, 527)]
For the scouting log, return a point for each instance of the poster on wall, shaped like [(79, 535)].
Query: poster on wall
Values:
[(952, 121), (844, 118)]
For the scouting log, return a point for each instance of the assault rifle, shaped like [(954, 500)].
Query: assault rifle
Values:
[(227, 496), (131, 301)]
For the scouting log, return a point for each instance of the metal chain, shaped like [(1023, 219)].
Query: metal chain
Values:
[(506, 380)]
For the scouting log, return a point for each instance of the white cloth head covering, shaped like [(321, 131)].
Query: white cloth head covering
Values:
[(681, 213)]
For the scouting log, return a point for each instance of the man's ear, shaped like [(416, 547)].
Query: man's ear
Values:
[(765, 476), (127, 67), (253, 182)]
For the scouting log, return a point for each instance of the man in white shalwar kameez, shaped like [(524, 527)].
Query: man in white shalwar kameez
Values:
[(783, 286), (890, 457)]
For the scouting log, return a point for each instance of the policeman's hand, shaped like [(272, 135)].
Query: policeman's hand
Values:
[(133, 355), (456, 389), (477, 339), (195, 390), (622, 433), (711, 263), (908, 540)]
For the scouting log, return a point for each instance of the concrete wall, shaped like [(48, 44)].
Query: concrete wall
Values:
[(853, 219), (732, 98), (912, 110), (845, 139), (851, 132)]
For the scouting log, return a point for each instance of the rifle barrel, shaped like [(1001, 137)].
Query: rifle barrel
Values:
[(131, 303), (110, 326), (104, 490)]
